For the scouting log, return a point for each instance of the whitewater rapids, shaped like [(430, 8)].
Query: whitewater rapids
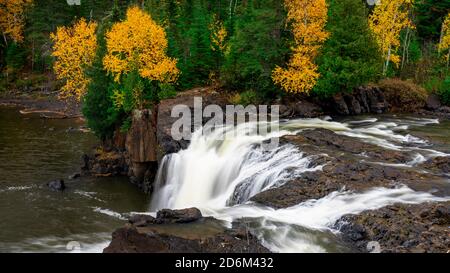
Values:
[(219, 176)]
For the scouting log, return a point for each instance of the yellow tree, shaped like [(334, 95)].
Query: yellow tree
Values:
[(387, 21), (218, 35), (444, 43), (12, 18), (74, 49), (138, 43), (308, 19)]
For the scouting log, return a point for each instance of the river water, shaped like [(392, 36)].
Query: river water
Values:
[(34, 151), (225, 175)]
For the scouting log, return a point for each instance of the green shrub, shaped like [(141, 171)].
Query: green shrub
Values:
[(166, 91), (403, 96)]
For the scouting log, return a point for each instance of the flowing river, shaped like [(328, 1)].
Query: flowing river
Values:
[(217, 176)]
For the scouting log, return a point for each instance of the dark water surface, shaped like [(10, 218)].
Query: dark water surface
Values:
[(34, 151)]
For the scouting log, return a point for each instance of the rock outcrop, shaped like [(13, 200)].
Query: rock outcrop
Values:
[(400, 228), (140, 145), (359, 167), (362, 100), (194, 234)]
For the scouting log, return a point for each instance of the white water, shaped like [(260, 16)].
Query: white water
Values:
[(221, 176)]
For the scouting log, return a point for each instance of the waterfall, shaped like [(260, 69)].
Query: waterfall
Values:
[(219, 176)]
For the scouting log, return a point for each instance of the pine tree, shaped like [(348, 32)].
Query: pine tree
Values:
[(350, 57), (258, 43), (430, 15)]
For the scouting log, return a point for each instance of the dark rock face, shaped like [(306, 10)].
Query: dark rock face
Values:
[(433, 103), (57, 185), (400, 228), (362, 100), (167, 216), (140, 145), (146, 234), (105, 163), (166, 144), (300, 109)]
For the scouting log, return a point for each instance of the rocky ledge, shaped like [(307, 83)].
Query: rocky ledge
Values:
[(182, 231), (397, 228), (355, 166), (400, 228)]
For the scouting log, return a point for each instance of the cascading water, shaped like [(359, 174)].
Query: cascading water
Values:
[(220, 176)]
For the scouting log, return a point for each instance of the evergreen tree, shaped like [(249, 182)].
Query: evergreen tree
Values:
[(258, 44), (429, 17), (350, 57)]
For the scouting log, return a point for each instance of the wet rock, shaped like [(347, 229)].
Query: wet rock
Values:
[(444, 109), (57, 185), (141, 220), (167, 216), (105, 163), (74, 176), (330, 140), (439, 164), (367, 99), (205, 235), (340, 106), (306, 109), (344, 168), (433, 103), (409, 228)]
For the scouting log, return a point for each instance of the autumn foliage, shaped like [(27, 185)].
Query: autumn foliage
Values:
[(444, 44), (12, 18), (74, 49), (218, 35), (308, 19), (138, 43), (389, 18)]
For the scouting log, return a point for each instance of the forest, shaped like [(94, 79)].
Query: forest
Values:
[(114, 56)]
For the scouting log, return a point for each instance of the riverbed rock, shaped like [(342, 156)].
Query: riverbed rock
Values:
[(57, 185), (141, 220), (167, 216), (439, 164), (400, 228), (204, 235), (74, 176), (347, 164)]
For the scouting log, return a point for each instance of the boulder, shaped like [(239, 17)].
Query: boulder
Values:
[(57, 185), (74, 176), (141, 220), (205, 235), (178, 216)]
